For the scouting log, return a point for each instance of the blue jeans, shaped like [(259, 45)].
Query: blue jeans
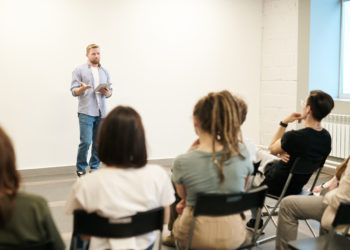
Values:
[(88, 133)]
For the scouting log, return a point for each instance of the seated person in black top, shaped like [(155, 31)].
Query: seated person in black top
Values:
[(312, 142)]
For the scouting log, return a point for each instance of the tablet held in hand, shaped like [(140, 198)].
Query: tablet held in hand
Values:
[(103, 85)]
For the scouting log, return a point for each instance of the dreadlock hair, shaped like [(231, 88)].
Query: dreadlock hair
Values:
[(9, 178), (219, 115)]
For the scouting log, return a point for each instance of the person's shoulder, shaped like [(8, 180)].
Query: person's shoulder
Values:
[(191, 154), (81, 67), (295, 133), (325, 133), (155, 168), (32, 200), (95, 176), (315, 133), (91, 180), (246, 159), (243, 149), (188, 156), (103, 68)]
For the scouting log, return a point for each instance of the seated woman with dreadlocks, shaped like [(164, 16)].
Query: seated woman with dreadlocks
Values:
[(218, 163)]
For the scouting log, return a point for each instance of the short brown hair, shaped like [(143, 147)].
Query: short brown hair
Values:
[(321, 104), (9, 177), (121, 139), (243, 107), (91, 46)]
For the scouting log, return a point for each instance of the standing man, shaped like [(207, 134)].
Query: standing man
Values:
[(92, 105)]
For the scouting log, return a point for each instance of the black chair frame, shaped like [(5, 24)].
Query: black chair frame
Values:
[(94, 225), (227, 204), (37, 246), (301, 166)]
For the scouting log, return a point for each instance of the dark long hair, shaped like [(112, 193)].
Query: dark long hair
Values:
[(121, 139), (219, 115), (9, 178)]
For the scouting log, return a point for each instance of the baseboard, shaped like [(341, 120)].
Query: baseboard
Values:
[(64, 170)]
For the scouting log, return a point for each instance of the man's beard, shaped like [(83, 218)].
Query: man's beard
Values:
[(96, 61)]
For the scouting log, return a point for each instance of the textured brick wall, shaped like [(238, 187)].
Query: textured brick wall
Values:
[(279, 64)]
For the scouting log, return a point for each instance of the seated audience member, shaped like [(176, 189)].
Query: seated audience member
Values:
[(334, 182), (219, 163), (127, 184), (25, 219), (169, 240), (320, 208), (312, 142)]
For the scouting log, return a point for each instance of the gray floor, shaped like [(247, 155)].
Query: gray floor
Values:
[(55, 183)]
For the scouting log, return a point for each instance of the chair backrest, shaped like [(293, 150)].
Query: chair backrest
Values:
[(225, 204), (342, 216), (46, 245), (305, 166), (140, 223), (302, 170)]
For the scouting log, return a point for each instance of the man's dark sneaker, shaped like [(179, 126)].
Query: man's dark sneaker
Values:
[(251, 224), (80, 173)]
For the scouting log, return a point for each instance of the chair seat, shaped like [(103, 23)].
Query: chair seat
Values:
[(338, 242)]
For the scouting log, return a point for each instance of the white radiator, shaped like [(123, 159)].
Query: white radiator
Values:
[(339, 128)]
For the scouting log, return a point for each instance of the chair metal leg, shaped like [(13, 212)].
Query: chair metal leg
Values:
[(311, 229), (177, 245), (160, 240), (270, 213), (331, 233), (75, 242), (267, 239), (189, 240), (274, 221)]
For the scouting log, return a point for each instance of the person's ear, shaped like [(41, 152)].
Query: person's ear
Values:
[(195, 121), (308, 110)]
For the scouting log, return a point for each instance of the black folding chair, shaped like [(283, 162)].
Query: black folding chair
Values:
[(331, 240), (94, 225), (46, 245), (299, 174), (227, 204)]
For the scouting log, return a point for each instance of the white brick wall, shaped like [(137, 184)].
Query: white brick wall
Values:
[(278, 65)]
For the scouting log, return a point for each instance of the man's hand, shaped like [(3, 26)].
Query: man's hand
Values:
[(81, 90), (293, 117), (105, 91), (84, 86), (285, 157)]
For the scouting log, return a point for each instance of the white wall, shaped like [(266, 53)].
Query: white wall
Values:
[(162, 56), (279, 74)]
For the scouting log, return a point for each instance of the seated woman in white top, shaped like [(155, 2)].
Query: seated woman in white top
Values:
[(218, 163), (127, 184)]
